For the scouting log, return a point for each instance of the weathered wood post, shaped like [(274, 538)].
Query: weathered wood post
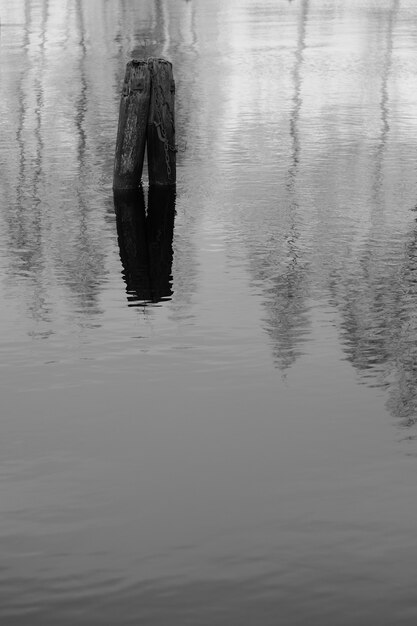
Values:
[(161, 125), (131, 133)]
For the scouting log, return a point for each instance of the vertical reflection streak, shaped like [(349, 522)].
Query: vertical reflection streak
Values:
[(39, 307), (84, 267), (26, 222), (294, 129), (190, 24), (22, 112), (378, 293), (81, 105), (384, 99), (297, 98), (163, 21), (289, 287), (39, 108)]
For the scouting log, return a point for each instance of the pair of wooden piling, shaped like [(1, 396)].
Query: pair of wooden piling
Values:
[(146, 118)]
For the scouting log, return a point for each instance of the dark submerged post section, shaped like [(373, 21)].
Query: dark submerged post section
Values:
[(131, 133), (130, 212), (160, 231), (161, 125), (145, 243)]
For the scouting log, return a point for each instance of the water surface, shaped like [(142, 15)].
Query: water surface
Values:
[(208, 400)]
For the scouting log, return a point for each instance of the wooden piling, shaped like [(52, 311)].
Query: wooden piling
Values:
[(133, 118), (161, 125)]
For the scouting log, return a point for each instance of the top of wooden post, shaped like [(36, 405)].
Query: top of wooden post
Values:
[(161, 124)]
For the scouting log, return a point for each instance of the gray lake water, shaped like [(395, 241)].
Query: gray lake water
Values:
[(208, 414)]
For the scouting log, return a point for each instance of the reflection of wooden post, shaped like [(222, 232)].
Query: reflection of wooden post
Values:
[(145, 242), (131, 230), (131, 134), (160, 231), (161, 125)]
